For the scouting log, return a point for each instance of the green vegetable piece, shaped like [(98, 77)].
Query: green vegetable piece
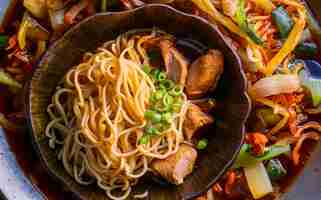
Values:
[(155, 73), (268, 116), (159, 94), (167, 117), (176, 91), (313, 85), (6, 79), (167, 84), (307, 48), (168, 101), (161, 76), (144, 139), (241, 19), (154, 116), (245, 158), (151, 131), (275, 169), (202, 144), (147, 69), (283, 21), (176, 107), (3, 41)]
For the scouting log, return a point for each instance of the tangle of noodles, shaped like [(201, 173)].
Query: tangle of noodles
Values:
[(97, 117)]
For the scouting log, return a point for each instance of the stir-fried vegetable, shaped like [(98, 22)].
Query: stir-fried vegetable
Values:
[(266, 5), (207, 7), (313, 85), (31, 29), (290, 43), (241, 19), (275, 169), (268, 117), (245, 157), (258, 180), (283, 21), (37, 8), (202, 144), (307, 49), (6, 79), (276, 84), (3, 41)]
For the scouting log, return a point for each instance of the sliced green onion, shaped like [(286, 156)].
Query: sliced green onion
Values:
[(283, 21), (167, 117), (154, 116), (161, 76), (313, 85), (3, 41), (202, 144), (245, 158), (147, 69), (168, 100), (275, 169), (144, 139), (176, 107), (167, 84), (155, 73), (151, 131), (176, 91)]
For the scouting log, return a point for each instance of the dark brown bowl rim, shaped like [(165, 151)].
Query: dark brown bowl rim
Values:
[(147, 6)]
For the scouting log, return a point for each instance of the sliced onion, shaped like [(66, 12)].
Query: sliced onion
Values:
[(274, 85)]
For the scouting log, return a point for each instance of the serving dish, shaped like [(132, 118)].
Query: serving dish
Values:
[(233, 103)]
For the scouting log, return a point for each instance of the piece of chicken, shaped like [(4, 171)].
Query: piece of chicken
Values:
[(177, 166), (195, 119), (175, 63), (204, 74)]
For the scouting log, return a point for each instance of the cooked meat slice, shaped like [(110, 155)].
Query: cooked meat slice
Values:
[(195, 119), (175, 63), (204, 74), (177, 166)]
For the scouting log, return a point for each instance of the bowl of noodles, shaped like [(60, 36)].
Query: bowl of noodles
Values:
[(148, 103)]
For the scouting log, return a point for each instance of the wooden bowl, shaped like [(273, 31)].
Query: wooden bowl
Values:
[(225, 137)]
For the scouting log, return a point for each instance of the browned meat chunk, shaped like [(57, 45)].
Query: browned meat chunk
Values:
[(175, 63), (195, 119), (177, 166), (204, 74)]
